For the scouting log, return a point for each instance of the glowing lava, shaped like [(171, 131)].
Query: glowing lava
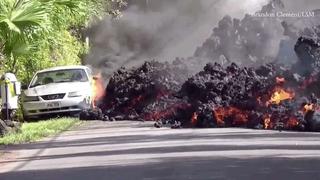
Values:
[(239, 117), (308, 107), (280, 95), (194, 119), (267, 122), (98, 89), (292, 123)]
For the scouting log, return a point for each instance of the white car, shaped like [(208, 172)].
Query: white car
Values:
[(65, 89)]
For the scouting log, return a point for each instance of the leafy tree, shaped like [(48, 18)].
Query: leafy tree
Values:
[(36, 34), (19, 20)]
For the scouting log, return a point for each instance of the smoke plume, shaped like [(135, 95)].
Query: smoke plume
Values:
[(166, 29)]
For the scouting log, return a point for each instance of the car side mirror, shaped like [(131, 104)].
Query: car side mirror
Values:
[(24, 86)]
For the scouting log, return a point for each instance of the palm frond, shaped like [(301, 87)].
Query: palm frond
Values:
[(16, 45), (17, 19), (10, 25), (28, 13)]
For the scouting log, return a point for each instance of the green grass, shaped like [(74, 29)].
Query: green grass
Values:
[(31, 132)]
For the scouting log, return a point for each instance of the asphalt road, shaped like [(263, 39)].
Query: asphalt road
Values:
[(137, 151)]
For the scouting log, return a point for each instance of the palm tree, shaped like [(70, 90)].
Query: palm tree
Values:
[(19, 20)]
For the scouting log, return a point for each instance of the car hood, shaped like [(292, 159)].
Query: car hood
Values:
[(57, 88)]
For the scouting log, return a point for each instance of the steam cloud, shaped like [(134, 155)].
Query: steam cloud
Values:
[(175, 28)]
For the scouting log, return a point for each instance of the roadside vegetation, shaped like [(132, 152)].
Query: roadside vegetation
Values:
[(37, 34), (31, 132)]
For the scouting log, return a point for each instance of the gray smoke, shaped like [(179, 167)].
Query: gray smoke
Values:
[(165, 29), (295, 27), (256, 39)]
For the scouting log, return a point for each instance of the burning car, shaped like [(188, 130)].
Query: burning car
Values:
[(65, 89)]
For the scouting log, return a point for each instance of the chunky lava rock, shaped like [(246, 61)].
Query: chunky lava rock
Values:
[(148, 92), (270, 96)]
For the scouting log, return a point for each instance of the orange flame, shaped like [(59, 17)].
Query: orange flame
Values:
[(239, 117), (267, 122), (98, 90), (308, 107), (280, 95)]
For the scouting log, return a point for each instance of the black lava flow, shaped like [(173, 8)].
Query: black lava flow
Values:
[(218, 96)]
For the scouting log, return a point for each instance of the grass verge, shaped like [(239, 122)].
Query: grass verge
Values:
[(31, 132)]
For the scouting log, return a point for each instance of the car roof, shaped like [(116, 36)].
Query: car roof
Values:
[(63, 68)]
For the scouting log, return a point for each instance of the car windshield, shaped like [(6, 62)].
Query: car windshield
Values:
[(59, 76)]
